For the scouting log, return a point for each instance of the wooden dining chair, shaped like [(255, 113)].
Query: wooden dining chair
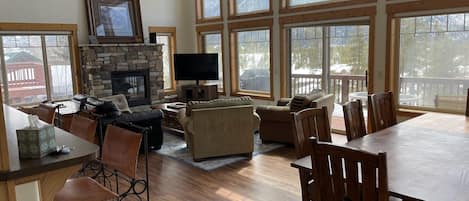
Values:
[(354, 120), (365, 177), (45, 112), (120, 154), (382, 111), (83, 127), (309, 123)]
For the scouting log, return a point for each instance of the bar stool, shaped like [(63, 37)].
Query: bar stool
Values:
[(83, 127), (120, 153), (45, 112)]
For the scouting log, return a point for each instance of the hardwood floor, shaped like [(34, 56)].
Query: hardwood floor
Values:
[(266, 177)]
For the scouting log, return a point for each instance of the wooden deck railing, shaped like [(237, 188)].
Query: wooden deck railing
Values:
[(424, 90), (340, 85)]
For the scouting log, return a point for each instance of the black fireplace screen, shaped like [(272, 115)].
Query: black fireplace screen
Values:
[(133, 84)]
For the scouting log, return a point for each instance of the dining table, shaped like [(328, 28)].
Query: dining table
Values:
[(427, 157)]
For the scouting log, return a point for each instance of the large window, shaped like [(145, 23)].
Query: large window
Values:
[(208, 10), (36, 67), (212, 43), (248, 8), (329, 58), (433, 61), (251, 60), (167, 37)]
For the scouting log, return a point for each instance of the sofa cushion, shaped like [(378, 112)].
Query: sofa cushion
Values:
[(301, 102), (246, 100)]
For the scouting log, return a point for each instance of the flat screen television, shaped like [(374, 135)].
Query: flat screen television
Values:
[(196, 66)]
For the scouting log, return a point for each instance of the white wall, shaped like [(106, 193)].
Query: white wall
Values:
[(176, 13), (46, 11)]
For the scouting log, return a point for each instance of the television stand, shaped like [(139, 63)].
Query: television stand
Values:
[(199, 92)]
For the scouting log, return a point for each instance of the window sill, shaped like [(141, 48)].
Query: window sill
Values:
[(322, 5), (410, 112), (251, 15), (415, 112), (209, 20)]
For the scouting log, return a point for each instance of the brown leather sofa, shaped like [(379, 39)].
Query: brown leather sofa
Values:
[(276, 121)]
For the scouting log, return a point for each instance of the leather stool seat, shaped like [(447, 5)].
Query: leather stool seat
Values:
[(84, 188)]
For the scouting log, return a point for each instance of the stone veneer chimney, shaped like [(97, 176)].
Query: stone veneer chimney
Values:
[(99, 60)]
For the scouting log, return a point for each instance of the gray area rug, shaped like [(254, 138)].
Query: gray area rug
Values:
[(175, 147)]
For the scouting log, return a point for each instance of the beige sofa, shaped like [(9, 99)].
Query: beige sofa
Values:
[(220, 127)]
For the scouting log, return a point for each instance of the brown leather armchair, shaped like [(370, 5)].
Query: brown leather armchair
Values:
[(276, 121)]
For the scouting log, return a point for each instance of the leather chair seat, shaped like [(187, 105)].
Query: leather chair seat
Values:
[(84, 188)]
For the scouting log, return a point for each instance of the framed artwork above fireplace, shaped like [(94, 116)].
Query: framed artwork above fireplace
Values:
[(115, 21)]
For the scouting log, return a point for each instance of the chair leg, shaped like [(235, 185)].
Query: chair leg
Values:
[(304, 179)]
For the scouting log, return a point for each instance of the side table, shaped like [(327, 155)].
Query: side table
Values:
[(170, 120)]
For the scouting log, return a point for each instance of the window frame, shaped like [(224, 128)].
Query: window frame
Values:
[(233, 14), (213, 29), (37, 28), (199, 10), (287, 21), (396, 11), (286, 8), (234, 28), (171, 32)]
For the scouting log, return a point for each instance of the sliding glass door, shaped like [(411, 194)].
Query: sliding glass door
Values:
[(331, 59)]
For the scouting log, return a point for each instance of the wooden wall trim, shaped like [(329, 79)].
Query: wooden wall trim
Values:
[(341, 14), (424, 5), (216, 28), (250, 25), (284, 8), (233, 15), (72, 28), (172, 32)]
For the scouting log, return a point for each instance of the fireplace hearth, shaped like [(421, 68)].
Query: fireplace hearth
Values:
[(133, 84)]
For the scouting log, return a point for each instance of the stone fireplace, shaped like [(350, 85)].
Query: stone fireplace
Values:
[(135, 70), (133, 84)]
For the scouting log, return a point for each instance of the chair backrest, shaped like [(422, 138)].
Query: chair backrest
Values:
[(382, 111), (45, 112), (359, 183), (120, 150), (354, 121), (310, 123), (467, 104), (83, 127)]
